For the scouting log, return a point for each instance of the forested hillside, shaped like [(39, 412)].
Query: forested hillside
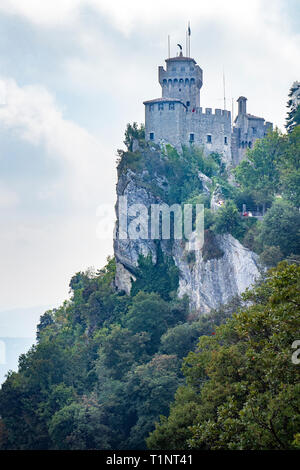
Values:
[(107, 365), (242, 388)]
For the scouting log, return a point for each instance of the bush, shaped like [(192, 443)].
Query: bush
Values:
[(271, 256), (280, 227), (228, 220), (210, 248)]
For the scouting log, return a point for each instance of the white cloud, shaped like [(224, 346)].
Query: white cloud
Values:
[(46, 12), (40, 252), (8, 198), (132, 14), (33, 115), (39, 257)]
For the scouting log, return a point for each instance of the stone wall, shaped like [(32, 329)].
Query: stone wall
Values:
[(176, 125)]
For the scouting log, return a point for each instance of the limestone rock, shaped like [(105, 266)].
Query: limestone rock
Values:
[(207, 282)]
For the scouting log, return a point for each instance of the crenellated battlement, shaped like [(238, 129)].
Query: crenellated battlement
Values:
[(161, 104), (211, 112)]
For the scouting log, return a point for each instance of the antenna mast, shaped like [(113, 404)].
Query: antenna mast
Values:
[(168, 46), (224, 90)]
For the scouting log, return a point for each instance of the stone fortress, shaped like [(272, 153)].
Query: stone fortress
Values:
[(178, 119)]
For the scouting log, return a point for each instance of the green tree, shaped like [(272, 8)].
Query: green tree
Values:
[(258, 172), (151, 314), (242, 387), (228, 220), (133, 132), (271, 256), (280, 227), (120, 349), (180, 339), (161, 277), (80, 426), (150, 388), (293, 115), (289, 167)]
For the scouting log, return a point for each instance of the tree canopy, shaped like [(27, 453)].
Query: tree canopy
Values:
[(242, 387)]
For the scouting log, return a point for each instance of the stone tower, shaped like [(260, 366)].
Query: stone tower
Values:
[(182, 80), (246, 130), (177, 118)]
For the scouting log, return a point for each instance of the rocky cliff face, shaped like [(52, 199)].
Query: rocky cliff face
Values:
[(209, 281)]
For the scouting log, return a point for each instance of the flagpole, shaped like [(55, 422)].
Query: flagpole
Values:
[(169, 46), (189, 41)]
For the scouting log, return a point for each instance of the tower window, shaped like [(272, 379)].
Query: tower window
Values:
[(192, 137), (254, 130), (171, 106), (225, 141), (208, 139), (182, 69), (160, 106), (188, 103), (151, 136), (151, 107)]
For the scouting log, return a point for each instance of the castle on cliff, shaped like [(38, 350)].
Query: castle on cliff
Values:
[(178, 119)]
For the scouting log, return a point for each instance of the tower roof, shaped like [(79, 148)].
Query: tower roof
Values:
[(180, 58)]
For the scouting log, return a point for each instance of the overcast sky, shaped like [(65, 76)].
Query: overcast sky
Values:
[(72, 74)]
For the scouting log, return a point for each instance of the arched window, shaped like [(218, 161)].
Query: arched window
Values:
[(165, 82), (186, 82), (192, 81)]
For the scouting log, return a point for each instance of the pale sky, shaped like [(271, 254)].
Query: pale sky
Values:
[(72, 74)]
